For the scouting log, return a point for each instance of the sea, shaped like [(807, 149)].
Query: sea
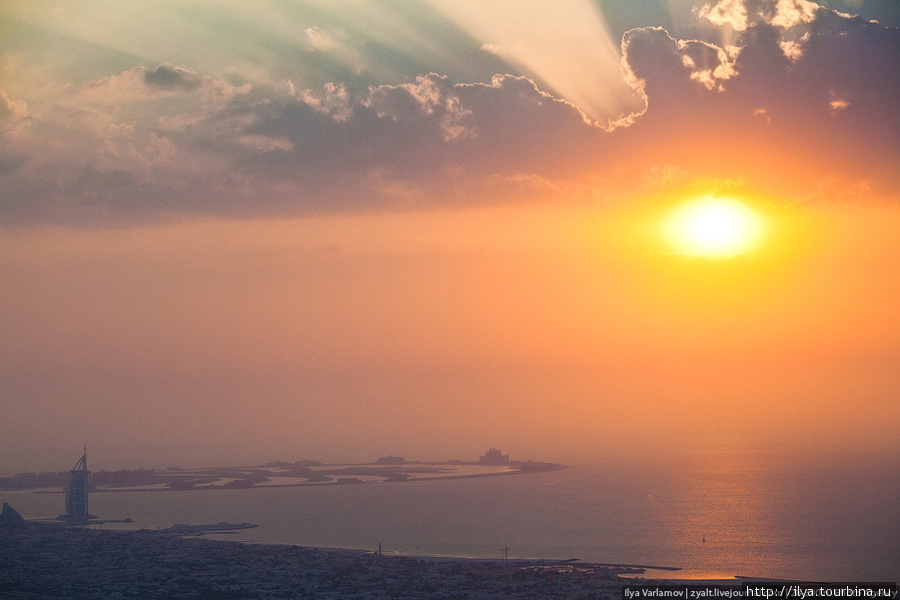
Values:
[(715, 517)]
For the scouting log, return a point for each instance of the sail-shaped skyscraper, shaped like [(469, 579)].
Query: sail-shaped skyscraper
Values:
[(77, 490)]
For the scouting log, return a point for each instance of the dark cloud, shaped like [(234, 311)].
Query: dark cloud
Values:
[(841, 95), (420, 137), (654, 59), (830, 105), (169, 77)]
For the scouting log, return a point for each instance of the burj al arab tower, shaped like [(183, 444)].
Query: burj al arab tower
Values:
[(77, 490)]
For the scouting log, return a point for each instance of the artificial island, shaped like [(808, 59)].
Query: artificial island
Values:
[(386, 469)]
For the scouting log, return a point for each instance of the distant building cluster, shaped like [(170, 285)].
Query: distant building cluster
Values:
[(494, 457), (57, 561)]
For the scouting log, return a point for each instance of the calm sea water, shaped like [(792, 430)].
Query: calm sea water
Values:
[(821, 522)]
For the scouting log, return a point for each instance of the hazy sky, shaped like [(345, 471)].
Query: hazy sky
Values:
[(234, 232)]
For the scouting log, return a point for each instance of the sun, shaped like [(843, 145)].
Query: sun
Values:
[(713, 226)]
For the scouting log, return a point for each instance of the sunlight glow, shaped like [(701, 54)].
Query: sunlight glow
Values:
[(584, 66), (714, 227)]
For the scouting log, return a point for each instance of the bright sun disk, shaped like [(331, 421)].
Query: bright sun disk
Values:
[(714, 227)]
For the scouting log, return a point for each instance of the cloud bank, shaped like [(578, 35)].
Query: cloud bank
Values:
[(803, 99)]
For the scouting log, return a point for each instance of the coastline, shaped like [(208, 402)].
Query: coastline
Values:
[(50, 557), (582, 512)]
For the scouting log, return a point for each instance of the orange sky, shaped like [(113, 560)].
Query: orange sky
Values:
[(555, 331), (431, 229)]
